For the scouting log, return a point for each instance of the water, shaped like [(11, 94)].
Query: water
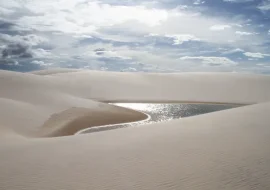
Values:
[(162, 112)]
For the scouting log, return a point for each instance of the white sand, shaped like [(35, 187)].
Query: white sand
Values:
[(222, 150)]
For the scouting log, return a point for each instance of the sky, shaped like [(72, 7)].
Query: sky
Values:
[(136, 35)]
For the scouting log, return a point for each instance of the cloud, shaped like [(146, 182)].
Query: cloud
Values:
[(103, 54), (41, 63), (10, 4), (256, 55), (181, 38), (264, 6), (112, 55), (129, 69), (38, 62), (86, 17), (219, 27), (29, 40), (41, 53), (9, 62), (22, 49), (100, 51), (115, 34), (210, 60), (5, 26), (178, 39), (200, 26), (16, 51), (89, 18), (237, 50), (5, 12), (238, 1), (243, 33), (198, 2)]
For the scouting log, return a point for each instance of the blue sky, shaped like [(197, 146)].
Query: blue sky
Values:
[(136, 36)]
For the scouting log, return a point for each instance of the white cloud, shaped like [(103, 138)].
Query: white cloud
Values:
[(78, 23), (198, 2), (114, 54), (181, 38), (38, 62), (210, 60), (219, 27), (130, 69), (41, 53), (41, 63), (83, 18), (5, 11), (198, 26), (264, 6), (10, 4), (243, 33), (233, 51), (86, 17), (31, 39), (177, 38), (238, 1), (82, 36), (101, 50), (256, 55)]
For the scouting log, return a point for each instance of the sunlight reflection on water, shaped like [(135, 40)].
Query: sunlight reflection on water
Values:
[(163, 112)]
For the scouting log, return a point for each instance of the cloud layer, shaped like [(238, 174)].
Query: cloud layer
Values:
[(150, 36)]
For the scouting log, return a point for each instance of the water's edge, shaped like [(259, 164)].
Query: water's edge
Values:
[(160, 112)]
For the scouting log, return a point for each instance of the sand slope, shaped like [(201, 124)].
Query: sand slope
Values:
[(35, 106), (223, 150), (199, 87)]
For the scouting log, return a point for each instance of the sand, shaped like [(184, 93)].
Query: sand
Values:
[(40, 111)]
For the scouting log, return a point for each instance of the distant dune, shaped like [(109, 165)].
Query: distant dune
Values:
[(40, 112)]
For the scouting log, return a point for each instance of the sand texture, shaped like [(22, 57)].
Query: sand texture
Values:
[(40, 111)]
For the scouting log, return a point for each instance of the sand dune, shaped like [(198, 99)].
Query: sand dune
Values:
[(185, 87), (32, 105), (222, 150), (73, 120)]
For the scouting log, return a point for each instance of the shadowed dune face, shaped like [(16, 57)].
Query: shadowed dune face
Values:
[(73, 120)]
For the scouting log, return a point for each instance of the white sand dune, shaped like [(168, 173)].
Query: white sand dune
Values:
[(223, 150)]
